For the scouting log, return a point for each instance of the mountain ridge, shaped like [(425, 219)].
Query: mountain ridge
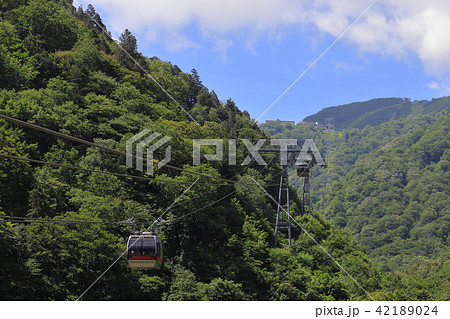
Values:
[(377, 111)]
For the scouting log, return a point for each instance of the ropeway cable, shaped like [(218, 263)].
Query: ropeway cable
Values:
[(98, 171), (79, 140)]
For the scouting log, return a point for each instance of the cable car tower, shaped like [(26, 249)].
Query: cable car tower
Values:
[(283, 222), (303, 170), (304, 158)]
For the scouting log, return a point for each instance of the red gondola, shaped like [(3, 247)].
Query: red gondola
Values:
[(144, 251), (303, 170)]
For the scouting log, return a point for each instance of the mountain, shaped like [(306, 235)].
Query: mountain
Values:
[(67, 195), (388, 185), (377, 111)]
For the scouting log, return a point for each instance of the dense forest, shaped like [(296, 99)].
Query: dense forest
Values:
[(62, 233), (388, 185)]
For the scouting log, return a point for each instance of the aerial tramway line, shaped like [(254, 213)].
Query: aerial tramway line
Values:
[(145, 251)]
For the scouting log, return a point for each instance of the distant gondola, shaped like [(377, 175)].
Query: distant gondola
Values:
[(303, 170), (144, 251)]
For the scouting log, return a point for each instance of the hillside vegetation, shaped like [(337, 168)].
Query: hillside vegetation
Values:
[(389, 186), (61, 71)]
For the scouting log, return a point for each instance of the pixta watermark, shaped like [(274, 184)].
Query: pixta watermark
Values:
[(143, 145)]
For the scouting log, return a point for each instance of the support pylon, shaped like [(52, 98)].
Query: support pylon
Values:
[(305, 196), (283, 222)]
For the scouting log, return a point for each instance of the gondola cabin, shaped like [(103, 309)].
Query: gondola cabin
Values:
[(303, 170), (144, 251)]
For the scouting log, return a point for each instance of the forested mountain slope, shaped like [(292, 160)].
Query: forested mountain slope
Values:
[(389, 186), (377, 111), (60, 70)]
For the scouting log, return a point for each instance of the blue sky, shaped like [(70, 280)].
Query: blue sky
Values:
[(252, 51)]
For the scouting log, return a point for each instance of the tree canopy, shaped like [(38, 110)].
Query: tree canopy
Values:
[(388, 185), (60, 70)]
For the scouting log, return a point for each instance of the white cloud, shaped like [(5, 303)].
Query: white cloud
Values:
[(166, 20), (222, 46), (443, 87), (398, 28)]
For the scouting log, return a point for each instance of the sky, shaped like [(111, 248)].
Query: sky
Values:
[(252, 51)]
